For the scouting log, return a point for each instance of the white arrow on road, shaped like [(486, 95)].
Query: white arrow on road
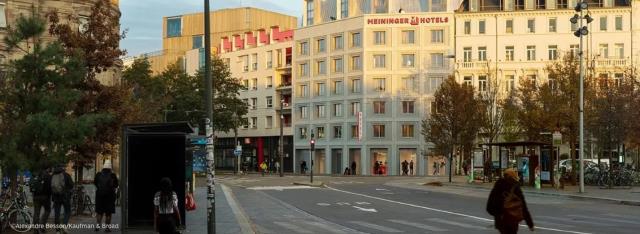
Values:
[(365, 209)]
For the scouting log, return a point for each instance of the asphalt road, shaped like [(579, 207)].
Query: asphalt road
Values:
[(362, 205)]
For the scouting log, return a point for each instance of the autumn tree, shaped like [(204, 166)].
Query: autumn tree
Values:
[(454, 120)]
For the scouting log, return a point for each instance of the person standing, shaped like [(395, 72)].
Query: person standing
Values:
[(61, 186), (41, 188), (166, 212), (106, 183), (353, 168), (411, 167), (303, 167), (277, 167), (507, 205), (263, 167), (376, 167), (405, 167)]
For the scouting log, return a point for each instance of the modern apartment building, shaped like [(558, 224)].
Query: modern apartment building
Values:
[(364, 76), (186, 32), (262, 60)]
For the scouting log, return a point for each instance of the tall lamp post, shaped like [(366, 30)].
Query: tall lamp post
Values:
[(312, 143), (281, 145), (582, 31), (211, 189)]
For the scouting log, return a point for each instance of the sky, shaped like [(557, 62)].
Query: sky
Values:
[(142, 19)]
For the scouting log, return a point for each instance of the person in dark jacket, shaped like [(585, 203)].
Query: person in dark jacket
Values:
[(106, 184), (61, 187), (495, 205), (41, 188)]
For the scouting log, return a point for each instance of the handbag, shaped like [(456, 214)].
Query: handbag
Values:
[(190, 203)]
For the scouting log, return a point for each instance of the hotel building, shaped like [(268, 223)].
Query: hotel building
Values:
[(364, 76)]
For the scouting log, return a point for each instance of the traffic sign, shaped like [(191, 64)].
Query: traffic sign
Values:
[(199, 141), (237, 152)]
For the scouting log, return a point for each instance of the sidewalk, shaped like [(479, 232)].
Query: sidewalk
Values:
[(625, 196)]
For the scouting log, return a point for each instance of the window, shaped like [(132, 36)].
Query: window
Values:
[(338, 65), (511, 83), (321, 65), (552, 25), (468, 80), (338, 87), (269, 81), (3, 16), (344, 9), (379, 61), (321, 89), (531, 53), (304, 69), (575, 49), (481, 27), (553, 52), (531, 25), (604, 50), (407, 107), (509, 26), (320, 111), (553, 84), (408, 60), (437, 36), (356, 86), (356, 63), (338, 42), (355, 108), (482, 53), (354, 131), (304, 91), (254, 84), (245, 63), (379, 84), (269, 101), (245, 122), (304, 112), (254, 103), (246, 101), (337, 132), (617, 79), (322, 45), (378, 107), (603, 23), (254, 122), (254, 59), (304, 48), (174, 26), (467, 27), (409, 83), (482, 83), (269, 121), (378, 130), (379, 37), (196, 42), (356, 40), (269, 58), (337, 110), (619, 50), (437, 60), (303, 133), (618, 23), (407, 130), (245, 84), (466, 54), (532, 78), (509, 53), (408, 37), (309, 12), (435, 83)]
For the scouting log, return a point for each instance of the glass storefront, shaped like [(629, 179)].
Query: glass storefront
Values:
[(380, 156)]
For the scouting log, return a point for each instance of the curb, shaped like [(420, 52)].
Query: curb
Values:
[(314, 184)]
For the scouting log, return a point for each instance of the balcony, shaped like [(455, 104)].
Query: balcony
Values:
[(473, 65), (611, 62)]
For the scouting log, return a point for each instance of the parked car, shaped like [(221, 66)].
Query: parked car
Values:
[(566, 164)]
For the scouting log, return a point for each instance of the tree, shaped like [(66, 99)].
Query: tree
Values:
[(455, 119), (148, 92), (493, 116), (41, 96), (185, 93)]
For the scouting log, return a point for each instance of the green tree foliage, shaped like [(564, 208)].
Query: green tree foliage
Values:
[(40, 123), (149, 93)]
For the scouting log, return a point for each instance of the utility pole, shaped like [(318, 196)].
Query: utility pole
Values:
[(313, 147), (281, 145), (211, 189)]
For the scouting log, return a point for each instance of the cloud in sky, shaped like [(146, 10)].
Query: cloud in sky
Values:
[(143, 18)]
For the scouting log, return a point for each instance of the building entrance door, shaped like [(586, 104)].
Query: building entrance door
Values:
[(336, 161), (380, 156), (410, 156)]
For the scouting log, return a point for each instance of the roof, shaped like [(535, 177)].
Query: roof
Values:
[(172, 127)]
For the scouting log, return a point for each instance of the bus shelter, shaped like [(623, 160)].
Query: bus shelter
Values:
[(530, 158)]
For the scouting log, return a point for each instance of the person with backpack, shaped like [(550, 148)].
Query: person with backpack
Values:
[(41, 188), (106, 183), (166, 212), (61, 186), (507, 205)]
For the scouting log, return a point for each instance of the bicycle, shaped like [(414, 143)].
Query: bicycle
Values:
[(81, 202), (15, 214)]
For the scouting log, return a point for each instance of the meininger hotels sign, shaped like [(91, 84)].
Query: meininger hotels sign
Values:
[(413, 20)]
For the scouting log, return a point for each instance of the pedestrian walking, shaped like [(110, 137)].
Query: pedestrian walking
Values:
[(376, 167), (166, 212), (411, 167), (405, 167), (263, 167), (303, 167), (277, 167), (353, 167), (464, 167), (41, 188), (507, 204), (435, 168), (61, 186), (106, 183)]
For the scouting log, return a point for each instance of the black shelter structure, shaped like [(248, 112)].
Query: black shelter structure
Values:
[(516, 154), (150, 152)]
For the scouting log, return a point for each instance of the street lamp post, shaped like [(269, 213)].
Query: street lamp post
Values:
[(211, 189), (581, 7), (313, 147), (281, 145)]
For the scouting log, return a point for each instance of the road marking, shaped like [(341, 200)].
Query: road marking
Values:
[(553, 224), (280, 188), (464, 225), (444, 211), (365, 209), (604, 219), (363, 203), (324, 226), (374, 226), (418, 225), (243, 221), (381, 189), (572, 220), (323, 204), (623, 217), (292, 227), (343, 204)]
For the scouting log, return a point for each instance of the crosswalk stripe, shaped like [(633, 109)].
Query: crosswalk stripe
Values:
[(374, 226), (605, 219), (292, 227), (324, 226), (457, 224), (418, 225), (571, 220)]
